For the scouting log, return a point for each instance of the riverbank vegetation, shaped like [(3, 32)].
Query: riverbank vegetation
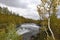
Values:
[(8, 23)]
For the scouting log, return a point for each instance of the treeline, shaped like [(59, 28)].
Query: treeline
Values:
[(8, 22), (7, 16)]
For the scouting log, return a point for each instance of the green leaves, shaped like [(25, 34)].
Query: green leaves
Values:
[(11, 34), (49, 7)]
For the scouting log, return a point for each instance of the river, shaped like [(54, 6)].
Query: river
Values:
[(28, 30)]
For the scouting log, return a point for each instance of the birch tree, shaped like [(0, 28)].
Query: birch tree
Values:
[(48, 7)]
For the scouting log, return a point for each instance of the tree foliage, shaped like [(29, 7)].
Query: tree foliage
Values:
[(49, 7), (10, 34)]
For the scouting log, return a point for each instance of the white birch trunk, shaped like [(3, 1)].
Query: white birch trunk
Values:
[(50, 29)]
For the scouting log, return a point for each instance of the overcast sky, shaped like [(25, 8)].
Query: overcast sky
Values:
[(26, 8)]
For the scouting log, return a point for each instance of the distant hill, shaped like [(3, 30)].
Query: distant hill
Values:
[(8, 17)]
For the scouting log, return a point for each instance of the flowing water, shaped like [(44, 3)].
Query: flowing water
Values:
[(28, 30)]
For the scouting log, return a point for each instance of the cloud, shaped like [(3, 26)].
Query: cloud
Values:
[(26, 8), (19, 3), (14, 3)]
